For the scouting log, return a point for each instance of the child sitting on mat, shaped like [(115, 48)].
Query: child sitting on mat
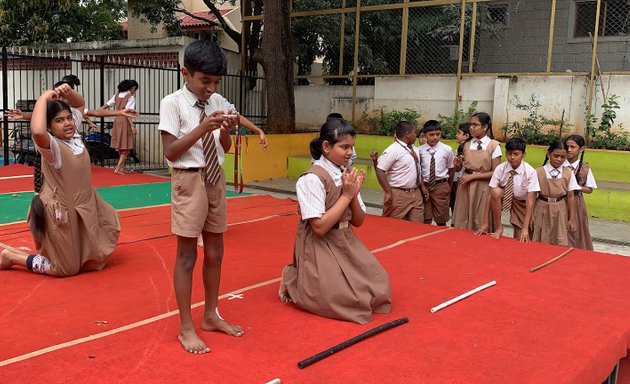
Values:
[(333, 274), (74, 228), (554, 213)]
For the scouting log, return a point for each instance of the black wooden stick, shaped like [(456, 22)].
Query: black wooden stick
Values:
[(315, 358)]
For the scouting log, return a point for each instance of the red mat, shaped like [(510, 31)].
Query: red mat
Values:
[(11, 180), (567, 323)]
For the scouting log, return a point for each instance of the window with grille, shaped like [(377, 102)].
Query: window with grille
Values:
[(614, 18)]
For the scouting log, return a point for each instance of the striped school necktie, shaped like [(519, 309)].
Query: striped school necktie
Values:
[(508, 192), (432, 169), (211, 169)]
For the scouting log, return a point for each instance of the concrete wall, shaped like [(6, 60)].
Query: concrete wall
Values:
[(497, 95)]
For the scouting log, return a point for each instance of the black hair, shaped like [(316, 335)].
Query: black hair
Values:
[(484, 119), (205, 57), (62, 82), (126, 85), (37, 224), (579, 140), (515, 144), (334, 115), (72, 80), (464, 127), (403, 128), (557, 144), (331, 131), (431, 125)]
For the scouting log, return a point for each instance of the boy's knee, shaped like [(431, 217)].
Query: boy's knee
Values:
[(496, 193)]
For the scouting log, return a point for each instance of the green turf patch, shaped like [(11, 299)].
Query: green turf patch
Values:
[(15, 205)]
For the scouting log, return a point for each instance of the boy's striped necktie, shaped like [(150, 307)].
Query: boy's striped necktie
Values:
[(211, 169), (508, 192)]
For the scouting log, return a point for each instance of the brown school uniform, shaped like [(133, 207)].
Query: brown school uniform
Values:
[(470, 203), (122, 134), (517, 212), (81, 229), (581, 238), (437, 206), (406, 204), (551, 217), (335, 275)]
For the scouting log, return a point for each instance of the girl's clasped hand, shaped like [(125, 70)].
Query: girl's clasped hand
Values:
[(352, 181)]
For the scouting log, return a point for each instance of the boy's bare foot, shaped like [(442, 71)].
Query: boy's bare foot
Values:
[(216, 323), (192, 343), (5, 261), (497, 234)]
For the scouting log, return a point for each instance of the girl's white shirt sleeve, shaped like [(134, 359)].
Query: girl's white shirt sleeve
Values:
[(590, 180)]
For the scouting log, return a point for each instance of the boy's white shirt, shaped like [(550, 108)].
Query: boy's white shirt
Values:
[(525, 180), (444, 160), (179, 116)]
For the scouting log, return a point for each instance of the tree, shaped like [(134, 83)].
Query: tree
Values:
[(38, 23), (272, 47)]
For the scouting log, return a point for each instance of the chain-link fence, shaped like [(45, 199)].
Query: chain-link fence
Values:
[(398, 37)]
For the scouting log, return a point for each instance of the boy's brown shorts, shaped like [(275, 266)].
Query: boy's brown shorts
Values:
[(195, 207)]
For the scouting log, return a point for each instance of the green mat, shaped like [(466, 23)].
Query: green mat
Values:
[(15, 205)]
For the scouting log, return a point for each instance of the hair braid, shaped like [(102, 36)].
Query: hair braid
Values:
[(579, 168), (37, 173), (37, 225)]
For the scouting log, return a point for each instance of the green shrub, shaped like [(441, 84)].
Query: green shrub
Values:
[(383, 123), (450, 124), (535, 128), (601, 136)]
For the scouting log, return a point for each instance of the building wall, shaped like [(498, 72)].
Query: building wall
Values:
[(559, 95), (522, 46)]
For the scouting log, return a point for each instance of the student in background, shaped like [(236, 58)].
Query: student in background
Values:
[(123, 131), (481, 156), (554, 213), (513, 188), (575, 145), (398, 173), (437, 173), (462, 136)]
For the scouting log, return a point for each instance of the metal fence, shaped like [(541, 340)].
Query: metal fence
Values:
[(26, 74), (354, 41)]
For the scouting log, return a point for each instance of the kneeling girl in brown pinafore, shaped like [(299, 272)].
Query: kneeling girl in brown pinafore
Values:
[(333, 274)]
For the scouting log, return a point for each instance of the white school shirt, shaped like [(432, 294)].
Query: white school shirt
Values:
[(311, 192), (131, 103), (179, 116), (525, 179), (399, 165), (53, 154), (573, 184), (590, 179), (485, 141), (444, 160)]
